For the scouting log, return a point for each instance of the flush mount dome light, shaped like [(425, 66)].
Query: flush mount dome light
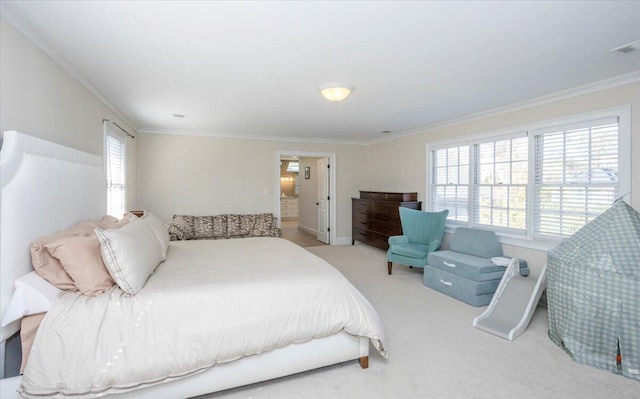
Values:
[(335, 91)]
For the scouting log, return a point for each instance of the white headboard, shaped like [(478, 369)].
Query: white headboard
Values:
[(45, 187)]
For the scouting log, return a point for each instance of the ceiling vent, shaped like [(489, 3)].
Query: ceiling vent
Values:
[(628, 48)]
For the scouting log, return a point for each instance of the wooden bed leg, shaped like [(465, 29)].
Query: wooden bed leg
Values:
[(364, 362), (389, 264)]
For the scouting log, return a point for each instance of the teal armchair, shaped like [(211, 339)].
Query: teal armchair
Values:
[(422, 233)]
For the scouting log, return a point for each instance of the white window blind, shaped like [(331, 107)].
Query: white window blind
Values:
[(500, 179), (115, 167), (450, 181), (576, 175), (541, 184)]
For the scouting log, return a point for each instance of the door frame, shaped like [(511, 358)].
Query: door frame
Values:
[(332, 185)]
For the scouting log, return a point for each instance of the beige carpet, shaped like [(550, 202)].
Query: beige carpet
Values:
[(434, 352)]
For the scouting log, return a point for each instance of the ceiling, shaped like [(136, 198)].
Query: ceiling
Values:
[(252, 69)]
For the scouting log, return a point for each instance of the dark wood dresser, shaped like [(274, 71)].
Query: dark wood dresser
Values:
[(375, 217)]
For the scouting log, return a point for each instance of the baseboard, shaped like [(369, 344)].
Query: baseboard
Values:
[(307, 229)]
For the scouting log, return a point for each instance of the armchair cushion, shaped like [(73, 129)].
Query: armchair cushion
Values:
[(411, 250)]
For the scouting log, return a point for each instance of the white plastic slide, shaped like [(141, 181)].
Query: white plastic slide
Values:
[(513, 304)]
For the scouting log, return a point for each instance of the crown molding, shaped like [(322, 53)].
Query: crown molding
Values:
[(16, 18), (204, 133), (616, 81)]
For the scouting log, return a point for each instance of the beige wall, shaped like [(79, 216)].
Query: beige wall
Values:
[(40, 98), (400, 165), (211, 175)]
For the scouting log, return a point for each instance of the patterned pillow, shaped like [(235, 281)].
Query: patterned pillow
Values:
[(202, 226), (181, 227), (263, 226), (239, 225), (219, 226)]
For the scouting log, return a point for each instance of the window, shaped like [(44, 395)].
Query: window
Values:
[(545, 182), (450, 181), (293, 167), (500, 183), (115, 168), (576, 175)]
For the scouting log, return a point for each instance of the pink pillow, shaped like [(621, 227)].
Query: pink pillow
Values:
[(48, 267), (81, 259), (107, 221), (110, 222)]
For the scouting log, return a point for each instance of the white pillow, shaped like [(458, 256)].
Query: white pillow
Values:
[(130, 253), (159, 230), (32, 295)]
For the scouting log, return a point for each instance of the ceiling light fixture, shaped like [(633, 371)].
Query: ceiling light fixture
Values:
[(335, 91), (627, 48)]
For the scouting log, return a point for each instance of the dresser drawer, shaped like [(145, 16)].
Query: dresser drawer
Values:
[(361, 209), (361, 234), (369, 237), (359, 221), (387, 211), (389, 229)]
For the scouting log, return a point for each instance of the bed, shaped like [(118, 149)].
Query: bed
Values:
[(46, 187)]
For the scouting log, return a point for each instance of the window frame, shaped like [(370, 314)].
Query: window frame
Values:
[(430, 176), (114, 134), (529, 239), (561, 184), (474, 221)]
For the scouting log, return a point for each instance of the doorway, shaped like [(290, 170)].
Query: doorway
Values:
[(305, 204)]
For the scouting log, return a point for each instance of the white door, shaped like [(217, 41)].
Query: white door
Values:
[(323, 200)]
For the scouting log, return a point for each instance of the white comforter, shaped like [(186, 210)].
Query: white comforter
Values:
[(209, 302)]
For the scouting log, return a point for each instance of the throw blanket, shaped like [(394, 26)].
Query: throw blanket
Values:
[(210, 302)]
